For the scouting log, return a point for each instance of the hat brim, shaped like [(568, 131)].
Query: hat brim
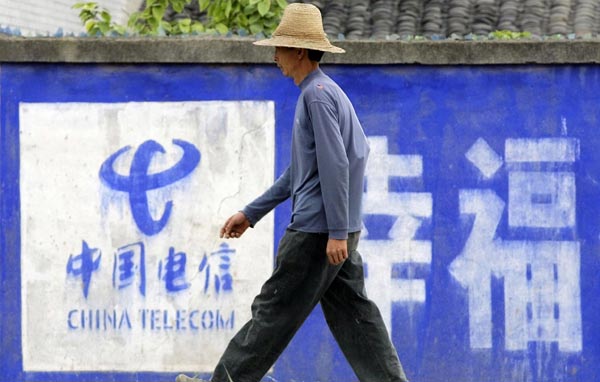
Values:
[(293, 42)]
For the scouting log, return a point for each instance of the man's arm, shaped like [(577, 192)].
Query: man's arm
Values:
[(277, 193), (334, 175)]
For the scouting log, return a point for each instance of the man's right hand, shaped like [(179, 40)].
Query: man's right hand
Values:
[(235, 226)]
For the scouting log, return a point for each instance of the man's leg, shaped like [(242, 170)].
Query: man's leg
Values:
[(301, 276), (357, 326)]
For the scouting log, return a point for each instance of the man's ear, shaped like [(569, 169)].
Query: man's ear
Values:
[(300, 53)]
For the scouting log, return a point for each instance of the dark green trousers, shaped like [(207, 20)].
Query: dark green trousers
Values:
[(301, 279)]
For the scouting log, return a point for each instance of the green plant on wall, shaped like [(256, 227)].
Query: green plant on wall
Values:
[(150, 20), (224, 16), (253, 16), (97, 21), (509, 35)]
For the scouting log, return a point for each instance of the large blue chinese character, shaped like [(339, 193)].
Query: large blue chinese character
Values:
[(139, 182), (219, 263), (173, 271), (130, 262), (84, 265)]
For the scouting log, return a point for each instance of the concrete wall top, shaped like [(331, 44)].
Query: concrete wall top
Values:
[(241, 51)]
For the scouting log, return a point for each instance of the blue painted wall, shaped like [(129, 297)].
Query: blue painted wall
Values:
[(480, 134)]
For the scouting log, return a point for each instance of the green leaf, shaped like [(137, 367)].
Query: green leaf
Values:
[(186, 22), (270, 24), (89, 25), (142, 29), (222, 28), (86, 15), (178, 7), (253, 2), (133, 19), (241, 19), (105, 16), (90, 6), (263, 7), (158, 12), (167, 26), (217, 13), (203, 4), (153, 23), (93, 31), (104, 28), (254, 19), (198, 27), (119, 29), (249, 9), (256, 28), (228, 9), (184, 26), (282, 3)]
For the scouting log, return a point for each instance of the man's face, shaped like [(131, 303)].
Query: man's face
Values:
[(286, 59)]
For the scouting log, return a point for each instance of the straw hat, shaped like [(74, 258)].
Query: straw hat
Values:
[(301, 27)]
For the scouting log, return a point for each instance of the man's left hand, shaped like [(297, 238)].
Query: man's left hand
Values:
[(337, 251)]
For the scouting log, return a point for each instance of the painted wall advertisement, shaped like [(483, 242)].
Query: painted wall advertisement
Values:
[(481, 235), (136, 219)]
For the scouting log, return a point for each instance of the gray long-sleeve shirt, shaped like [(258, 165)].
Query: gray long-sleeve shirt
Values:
[(329, 155)]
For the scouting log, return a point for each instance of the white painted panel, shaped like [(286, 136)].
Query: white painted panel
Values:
[(64, 203)]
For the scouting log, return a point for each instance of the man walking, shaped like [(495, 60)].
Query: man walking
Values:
[(317, 260)]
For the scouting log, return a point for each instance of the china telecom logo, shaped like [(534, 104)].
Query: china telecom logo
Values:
[(139, 181)]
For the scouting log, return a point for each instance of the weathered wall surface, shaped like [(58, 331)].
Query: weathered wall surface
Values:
[(480, 240)]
